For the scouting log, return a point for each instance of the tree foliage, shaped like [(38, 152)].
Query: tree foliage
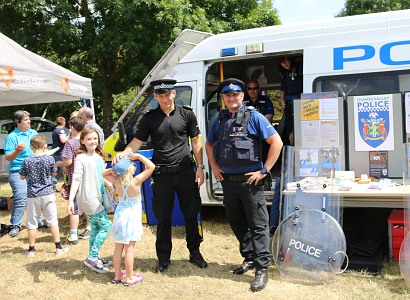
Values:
[(358, 7), (116, 42)]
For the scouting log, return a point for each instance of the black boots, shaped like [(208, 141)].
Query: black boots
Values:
[(162, 266), (244, 267), (197, 259), (260, 281)]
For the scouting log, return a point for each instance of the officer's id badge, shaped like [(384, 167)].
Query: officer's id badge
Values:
[(237, 131)]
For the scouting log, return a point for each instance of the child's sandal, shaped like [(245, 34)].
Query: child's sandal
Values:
[(137, 280), (138, 274), (116, 281)]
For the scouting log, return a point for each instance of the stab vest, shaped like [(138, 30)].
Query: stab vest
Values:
[(235, 146), (294, 82)]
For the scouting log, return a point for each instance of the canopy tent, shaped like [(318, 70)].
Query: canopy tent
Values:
[(27, 78)]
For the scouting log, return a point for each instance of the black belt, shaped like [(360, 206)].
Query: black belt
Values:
[(236, 178), (173, 169)]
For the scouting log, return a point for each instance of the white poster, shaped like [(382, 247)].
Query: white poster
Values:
[(329, 109), (310, 134), (329, 133), (373, 123)]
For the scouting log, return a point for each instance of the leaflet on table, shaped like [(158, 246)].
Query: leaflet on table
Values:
[(308, 183)]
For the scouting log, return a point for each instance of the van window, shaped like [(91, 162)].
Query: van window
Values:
[(363, 84)]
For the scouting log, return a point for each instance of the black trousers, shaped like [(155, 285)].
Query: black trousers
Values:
[(247, 214), (164, 188), (289, 122)]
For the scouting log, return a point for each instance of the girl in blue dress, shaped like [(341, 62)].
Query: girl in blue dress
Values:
[(127, 224)]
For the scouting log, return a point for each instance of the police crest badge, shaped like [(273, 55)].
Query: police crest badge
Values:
[(373, 117)]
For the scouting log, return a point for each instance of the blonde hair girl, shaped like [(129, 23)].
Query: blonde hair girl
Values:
[(127, 224)]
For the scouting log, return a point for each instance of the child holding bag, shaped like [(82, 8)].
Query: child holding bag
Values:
[(127, 224), (88, 169)]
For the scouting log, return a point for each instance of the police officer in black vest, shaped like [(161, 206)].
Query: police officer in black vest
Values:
[(170, 126), (290, 88), (260, 102), (233, 148)]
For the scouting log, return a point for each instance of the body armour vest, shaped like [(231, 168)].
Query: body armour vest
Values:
[(235, 146), (294, 82)]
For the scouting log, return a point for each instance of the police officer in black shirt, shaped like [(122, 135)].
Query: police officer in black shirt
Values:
[(170, 126), (260, 102)]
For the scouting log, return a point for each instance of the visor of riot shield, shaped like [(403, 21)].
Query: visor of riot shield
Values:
[(309, 245)]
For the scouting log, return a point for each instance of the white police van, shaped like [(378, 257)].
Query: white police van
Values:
[(357, 55)]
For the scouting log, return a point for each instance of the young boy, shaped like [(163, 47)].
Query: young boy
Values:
[(40, 194)]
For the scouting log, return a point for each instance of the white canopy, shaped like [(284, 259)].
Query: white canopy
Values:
[(27, 78)]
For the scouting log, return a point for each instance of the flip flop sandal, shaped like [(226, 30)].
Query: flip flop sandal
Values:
[(116, 281), (137, 280), (138, 274)]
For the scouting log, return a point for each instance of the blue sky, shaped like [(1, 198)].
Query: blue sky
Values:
[(292, 11)]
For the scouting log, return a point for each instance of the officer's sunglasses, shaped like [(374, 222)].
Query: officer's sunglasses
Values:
[(252, 88)]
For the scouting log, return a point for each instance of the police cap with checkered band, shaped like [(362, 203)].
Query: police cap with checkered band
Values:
[(163, 86), (231, 86)]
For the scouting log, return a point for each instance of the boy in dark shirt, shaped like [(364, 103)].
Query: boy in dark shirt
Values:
[(40, 194)]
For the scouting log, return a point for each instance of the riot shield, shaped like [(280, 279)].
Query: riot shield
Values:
[(310, 180), (309, 244)]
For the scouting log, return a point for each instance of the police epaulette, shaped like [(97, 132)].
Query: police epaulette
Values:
[(148, 111), (187, 107)]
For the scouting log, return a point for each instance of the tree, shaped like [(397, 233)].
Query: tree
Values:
[(117, 42), (358, 7)]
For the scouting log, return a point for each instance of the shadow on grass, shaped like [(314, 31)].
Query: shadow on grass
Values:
[(183, 268), (74, 270), (66, 269), (11, 250)]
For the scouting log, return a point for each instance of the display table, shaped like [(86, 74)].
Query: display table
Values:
[(361, 196)]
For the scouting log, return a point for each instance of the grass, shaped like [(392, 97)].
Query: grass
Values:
[(47, 276)]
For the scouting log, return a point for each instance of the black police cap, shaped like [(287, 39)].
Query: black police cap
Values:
[(163, 86), (231, 86)]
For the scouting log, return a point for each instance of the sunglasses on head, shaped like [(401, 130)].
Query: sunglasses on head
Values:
[(252, 88)]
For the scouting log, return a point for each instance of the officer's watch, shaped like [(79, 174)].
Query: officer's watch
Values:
[(264, 171), (200, 166)]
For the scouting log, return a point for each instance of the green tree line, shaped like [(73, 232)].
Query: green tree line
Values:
[(116, 42)]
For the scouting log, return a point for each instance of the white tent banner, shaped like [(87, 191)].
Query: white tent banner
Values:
[(27, 78)]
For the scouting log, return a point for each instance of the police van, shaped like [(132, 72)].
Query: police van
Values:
[(355, 55)]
